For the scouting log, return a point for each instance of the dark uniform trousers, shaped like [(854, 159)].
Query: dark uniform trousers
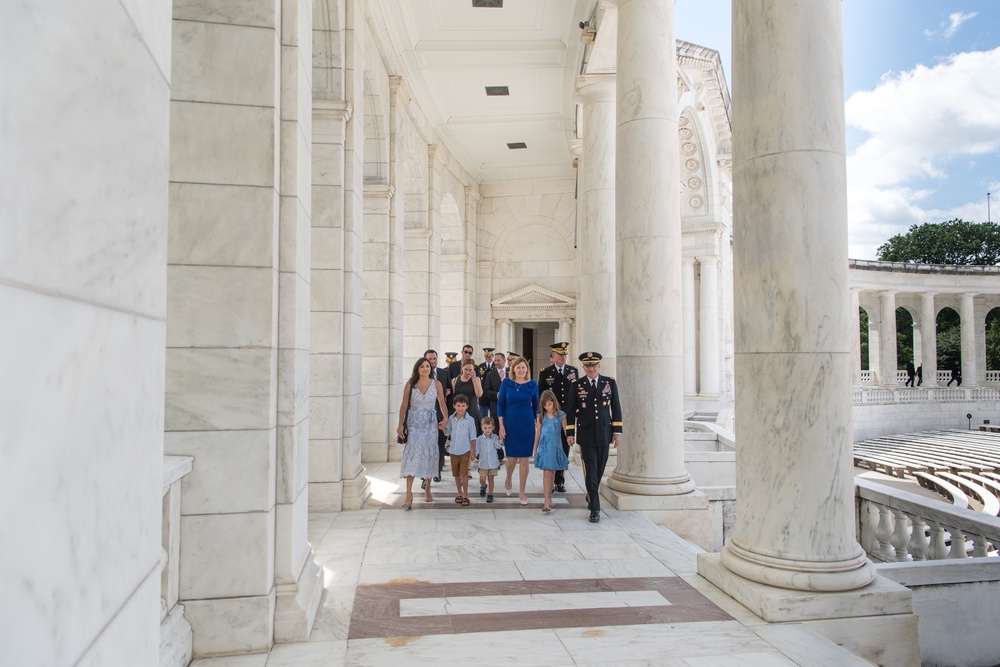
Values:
[(560, 384), (593, 418)]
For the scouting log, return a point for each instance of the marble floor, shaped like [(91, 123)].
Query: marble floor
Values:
[(502, 584)]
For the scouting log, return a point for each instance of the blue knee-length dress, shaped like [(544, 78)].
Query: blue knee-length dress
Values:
[(517, 404), (550, 454)]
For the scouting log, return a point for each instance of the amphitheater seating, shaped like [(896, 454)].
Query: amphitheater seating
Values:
[(952, 492), (959, 465)]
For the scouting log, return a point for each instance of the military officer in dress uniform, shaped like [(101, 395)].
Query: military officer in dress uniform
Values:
[(559, 377), (594, 419), (481, 370)]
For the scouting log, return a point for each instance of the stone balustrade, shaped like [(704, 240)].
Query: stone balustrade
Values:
[(891, 395), (898, 526)]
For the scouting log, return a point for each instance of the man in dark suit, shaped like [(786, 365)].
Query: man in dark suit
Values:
[(481, 370), (442, 376), (455, 364), (559, 377), (594, 419), (491, 385)]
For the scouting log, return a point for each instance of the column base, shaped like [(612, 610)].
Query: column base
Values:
[(326, 496), (647, 486), (175, 638), (357, 491), (820, 576), (296, 604), (875, 622), (224, 626)]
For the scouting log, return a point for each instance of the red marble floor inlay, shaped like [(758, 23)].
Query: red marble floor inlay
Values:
[(376, 611)]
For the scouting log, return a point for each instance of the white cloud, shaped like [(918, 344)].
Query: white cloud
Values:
[(920, 123), (949, 29)]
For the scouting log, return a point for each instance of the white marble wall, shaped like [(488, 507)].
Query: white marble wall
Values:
[(526, 237), (222, 354), (83, 242)]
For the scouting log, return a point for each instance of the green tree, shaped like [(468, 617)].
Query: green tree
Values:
[(904, 338), (864, 339), (952, 242), (949, 338)]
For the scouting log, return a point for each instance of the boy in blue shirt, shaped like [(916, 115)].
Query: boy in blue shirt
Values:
[(462, 431)]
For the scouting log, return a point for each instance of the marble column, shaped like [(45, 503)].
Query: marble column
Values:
[(380, 322), (326, 338), (887, 371), (504, 335), (690, 329), (596, 240), (298, 579), (565, 332), (223, 321), (708, 324), (648, 253), (855, 338), (969, 331), (356, 488), (795, 508)]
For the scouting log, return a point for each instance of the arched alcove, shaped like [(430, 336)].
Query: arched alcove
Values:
[(864, 335), (949, 338), (904, 337), (993, 340)]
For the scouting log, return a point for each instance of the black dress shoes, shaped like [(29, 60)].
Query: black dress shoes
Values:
[(560, 488), (595, 516)]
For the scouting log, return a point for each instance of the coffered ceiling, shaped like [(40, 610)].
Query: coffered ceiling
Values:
[(449, 52)]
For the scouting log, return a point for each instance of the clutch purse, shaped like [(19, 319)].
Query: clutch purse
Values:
[(402, 441)]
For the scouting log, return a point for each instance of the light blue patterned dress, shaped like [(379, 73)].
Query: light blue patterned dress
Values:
[(550, 452), (420, 454)]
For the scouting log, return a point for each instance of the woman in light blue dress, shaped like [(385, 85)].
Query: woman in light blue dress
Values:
[(549, 454), (420, 453)]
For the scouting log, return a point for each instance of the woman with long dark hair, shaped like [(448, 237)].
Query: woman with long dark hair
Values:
[(418, 426)]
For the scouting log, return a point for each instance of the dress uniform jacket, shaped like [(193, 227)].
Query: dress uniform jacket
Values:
[(551, 378), (593, 415)]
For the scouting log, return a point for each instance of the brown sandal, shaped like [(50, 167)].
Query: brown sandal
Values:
[(465, 502), (458, 500)]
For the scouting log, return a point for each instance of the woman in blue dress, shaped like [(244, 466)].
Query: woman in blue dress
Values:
[(420, 453), (549, 454), (517, 405)]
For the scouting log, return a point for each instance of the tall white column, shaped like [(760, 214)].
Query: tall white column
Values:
[(505, 334), (795, 509), (855, 338), (565, 332), (708, 321), (969, 331), (690, 330), (887, 371), (648, 253), (596, 242)]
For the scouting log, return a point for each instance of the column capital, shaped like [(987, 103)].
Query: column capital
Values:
[(888, 292), (929, 294), (576, 149), (970, 295), (708, 259), (688, 261), (593, 88)]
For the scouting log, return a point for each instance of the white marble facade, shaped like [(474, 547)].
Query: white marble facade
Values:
[(233, 246)]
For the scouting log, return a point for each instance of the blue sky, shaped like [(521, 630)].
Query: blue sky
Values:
[(922, 88)]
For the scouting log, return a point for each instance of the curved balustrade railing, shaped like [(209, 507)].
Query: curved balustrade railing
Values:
[(891, 395), (898, 526)]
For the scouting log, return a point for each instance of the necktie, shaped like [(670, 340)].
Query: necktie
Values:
[(501, 373)]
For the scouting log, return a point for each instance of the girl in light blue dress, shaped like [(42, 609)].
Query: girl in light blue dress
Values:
[(549, 454)]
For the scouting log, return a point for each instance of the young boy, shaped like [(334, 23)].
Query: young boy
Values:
[(462, 431), (486, 450)]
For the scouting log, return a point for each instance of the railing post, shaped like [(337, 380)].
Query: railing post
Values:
[(884, 534), (900, 538), (918, 538)]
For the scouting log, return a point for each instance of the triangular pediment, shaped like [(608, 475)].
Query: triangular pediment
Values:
[(534, 296)]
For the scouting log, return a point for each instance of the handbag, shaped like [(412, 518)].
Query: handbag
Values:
[(406, 417)]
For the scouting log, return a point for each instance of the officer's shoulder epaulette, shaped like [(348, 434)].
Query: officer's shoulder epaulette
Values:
[(611, 378)]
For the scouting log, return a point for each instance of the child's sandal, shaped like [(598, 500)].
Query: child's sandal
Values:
[(465, 502), (458, 500)]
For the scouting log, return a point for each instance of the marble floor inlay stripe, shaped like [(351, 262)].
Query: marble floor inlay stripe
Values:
[(410, 609), (454, 605)]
